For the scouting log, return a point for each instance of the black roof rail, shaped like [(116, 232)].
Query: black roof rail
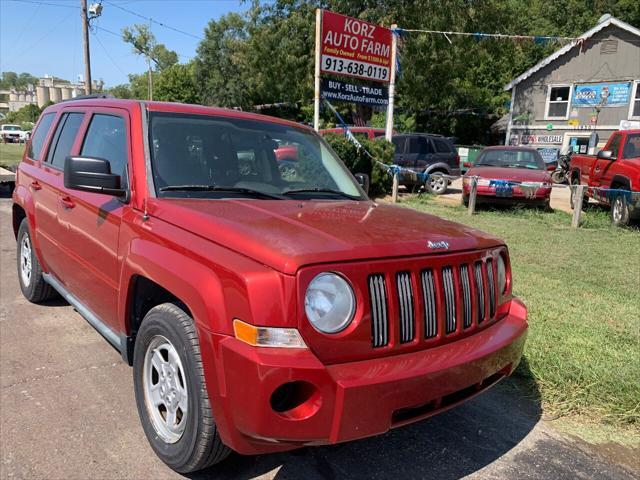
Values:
[(91, 96)]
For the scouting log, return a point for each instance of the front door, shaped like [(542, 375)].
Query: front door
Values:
[(422, 152), (91, 221), (602, 173)]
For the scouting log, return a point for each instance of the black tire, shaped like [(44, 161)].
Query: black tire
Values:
[(35, 289), (620, 214), (558, 176), (200, 445), (436, 184)]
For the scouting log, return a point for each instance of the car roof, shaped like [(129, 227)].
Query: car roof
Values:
[(419, 134), (507, 147), (172, 107), (353, 129)]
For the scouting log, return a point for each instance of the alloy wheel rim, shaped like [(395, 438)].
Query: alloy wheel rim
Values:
[(25, 260), (437, 182), (617, 209), (165, 389)]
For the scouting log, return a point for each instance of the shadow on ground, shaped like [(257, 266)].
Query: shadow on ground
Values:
[(448, 446)]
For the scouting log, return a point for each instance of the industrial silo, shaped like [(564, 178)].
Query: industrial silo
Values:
[(43, 95), (55, 93), (66, 93)]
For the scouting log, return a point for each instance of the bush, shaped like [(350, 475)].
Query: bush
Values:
[(357, 161)]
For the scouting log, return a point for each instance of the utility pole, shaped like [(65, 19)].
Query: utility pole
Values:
[(87, 53), (149, 75)]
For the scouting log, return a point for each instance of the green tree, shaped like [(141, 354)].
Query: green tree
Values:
[(144, 43), (177, 84), (121, 91)]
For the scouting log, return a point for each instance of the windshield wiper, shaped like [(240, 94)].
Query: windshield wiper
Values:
[(219, 188), (321, 190)]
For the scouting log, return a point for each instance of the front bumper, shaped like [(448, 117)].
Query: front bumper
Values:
[(352, 400), (516, 194)]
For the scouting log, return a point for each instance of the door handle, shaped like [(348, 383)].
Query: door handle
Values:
[(597, 169), (67, 203), (35, 185)]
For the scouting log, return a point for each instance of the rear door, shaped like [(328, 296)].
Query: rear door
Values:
[(444, 153), (64, 142), (422, 152), (91, 221)]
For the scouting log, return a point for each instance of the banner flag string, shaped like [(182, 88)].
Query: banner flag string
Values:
[(537, 39)]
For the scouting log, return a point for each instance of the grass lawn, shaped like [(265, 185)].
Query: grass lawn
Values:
[(582, 288), (10, 154)]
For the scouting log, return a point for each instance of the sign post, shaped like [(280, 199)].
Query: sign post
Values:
[(392, 85), (316, 78)]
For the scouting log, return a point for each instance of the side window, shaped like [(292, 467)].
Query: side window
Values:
[(398, 142), (107, 138), (37, 141), (441, 146), (614, 146), (63, 139), (420, 145)]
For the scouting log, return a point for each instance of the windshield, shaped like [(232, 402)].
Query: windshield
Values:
[(11, 128), (222, 157), (511, 159)]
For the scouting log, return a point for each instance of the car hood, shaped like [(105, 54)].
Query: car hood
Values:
[(513, 174), (289, 234)]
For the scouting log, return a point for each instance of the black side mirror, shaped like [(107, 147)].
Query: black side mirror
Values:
[(363, 181), (91, 175), (605, 155)]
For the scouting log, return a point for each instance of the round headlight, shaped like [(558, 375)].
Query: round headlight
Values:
[(502, 275), (329, 303)]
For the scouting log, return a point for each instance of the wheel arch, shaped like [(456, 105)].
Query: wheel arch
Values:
[(438, 167), (620, 180)]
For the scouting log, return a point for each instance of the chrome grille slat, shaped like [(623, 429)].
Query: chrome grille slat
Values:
[(479, 290), (492, 289), (405, 302), (430, 311), (379, 317), (466, 295), (449, 298)]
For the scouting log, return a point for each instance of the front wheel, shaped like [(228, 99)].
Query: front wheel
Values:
[(558, 176), (436, 183), (620, 214), (171, 393)]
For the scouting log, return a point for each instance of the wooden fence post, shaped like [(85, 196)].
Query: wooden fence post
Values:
[(472, 195), (394, 191), (577, 205)]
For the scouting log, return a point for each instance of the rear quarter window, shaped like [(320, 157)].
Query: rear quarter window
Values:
[(39, 136), (442, 146)]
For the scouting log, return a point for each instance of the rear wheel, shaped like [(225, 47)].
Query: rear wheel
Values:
[(620, 214), (436, 183), (171, 393), (30, 277)]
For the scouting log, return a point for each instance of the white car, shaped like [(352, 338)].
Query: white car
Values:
[(12, 133)]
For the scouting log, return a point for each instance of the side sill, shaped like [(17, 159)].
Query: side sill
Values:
[(113, 338)]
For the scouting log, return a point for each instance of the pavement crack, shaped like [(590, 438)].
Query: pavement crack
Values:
[(28, 381)]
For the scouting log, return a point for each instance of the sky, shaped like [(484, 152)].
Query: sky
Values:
[(45, 36)]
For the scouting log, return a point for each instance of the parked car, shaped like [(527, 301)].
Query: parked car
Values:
[(259, 314), (509, 175), (616, 167), (367, 133), (427, 153), (11, 133)]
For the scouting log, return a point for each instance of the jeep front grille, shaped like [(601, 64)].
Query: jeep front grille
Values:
[(454, 299)]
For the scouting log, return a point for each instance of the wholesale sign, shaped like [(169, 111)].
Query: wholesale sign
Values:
[(355, 48), (603, 94), (346, 92)]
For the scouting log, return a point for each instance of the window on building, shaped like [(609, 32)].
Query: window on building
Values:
[(634, 109), (558, 101)]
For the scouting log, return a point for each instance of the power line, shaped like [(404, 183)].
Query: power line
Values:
[(106, 52), (45, 3), (149, 19)]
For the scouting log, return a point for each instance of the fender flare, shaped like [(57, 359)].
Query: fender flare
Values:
[(23, 198), (438, 166), (621, 179)]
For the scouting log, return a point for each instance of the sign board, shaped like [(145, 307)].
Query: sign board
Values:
[(346, 92), (629, 124), (549, 155), (602, 94), (355, 48), (546, 139)]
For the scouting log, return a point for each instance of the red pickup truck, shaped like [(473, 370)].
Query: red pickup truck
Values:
[(614, 174), (259, 313)]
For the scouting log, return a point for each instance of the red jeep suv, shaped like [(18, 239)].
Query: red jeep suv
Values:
[(259, 313)]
